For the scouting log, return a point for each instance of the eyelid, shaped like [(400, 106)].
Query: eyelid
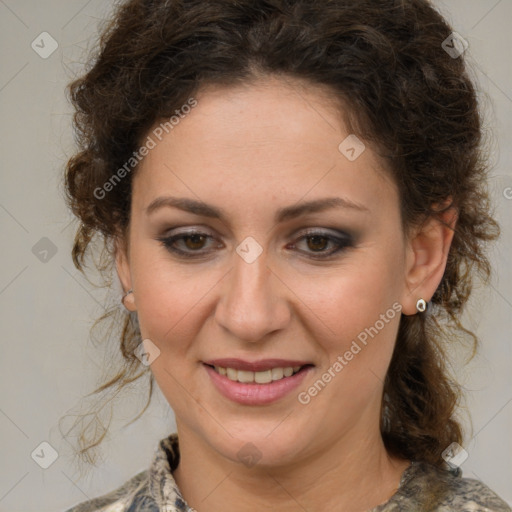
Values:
[(335, 233), (188, 230)]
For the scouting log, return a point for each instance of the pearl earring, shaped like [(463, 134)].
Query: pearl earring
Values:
[(421, 305)]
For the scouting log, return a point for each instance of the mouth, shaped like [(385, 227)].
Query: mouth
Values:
[(258, 382)]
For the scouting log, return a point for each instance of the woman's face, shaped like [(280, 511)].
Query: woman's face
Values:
[(279, 274)]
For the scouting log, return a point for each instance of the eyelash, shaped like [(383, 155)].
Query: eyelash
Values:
[(343, 242)]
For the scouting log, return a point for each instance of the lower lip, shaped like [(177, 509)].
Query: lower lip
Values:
[(256, 394)]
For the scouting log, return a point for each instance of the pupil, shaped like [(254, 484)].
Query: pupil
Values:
[(315, 240), (195, 240)]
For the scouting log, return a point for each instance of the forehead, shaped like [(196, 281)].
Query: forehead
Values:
[(265, 141)]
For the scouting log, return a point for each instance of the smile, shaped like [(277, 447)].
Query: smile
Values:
[(256, 383), (262, 377)]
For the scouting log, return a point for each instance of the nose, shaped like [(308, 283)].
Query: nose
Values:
[(253, 302)]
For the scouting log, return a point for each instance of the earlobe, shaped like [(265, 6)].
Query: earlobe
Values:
[(427, 254), (123, 272)]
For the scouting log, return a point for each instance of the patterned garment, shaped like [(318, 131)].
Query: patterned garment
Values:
[(423, 488)]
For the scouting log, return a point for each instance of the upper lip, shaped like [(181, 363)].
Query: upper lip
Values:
[(255, 366)]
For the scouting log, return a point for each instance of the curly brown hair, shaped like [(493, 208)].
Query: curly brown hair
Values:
[(406, 95)]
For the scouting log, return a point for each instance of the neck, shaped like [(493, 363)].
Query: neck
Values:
[(353, 474)]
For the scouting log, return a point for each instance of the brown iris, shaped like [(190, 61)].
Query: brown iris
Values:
[(197, 241), (315, 246)]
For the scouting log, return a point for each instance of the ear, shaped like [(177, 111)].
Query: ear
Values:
[(427, 248), (123, 271)]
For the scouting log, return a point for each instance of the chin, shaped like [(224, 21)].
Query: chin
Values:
[(265, 444)]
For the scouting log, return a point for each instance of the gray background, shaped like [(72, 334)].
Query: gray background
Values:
[(46, 308)]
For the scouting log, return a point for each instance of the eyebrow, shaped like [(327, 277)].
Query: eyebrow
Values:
[(283, 214)]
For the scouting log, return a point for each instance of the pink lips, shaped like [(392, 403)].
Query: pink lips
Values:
[(253, 393)]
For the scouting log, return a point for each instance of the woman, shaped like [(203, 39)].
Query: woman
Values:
[(293, 194)]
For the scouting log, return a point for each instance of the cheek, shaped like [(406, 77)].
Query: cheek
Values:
[(355, 325), (357, 346), (350, 298), (167, 296)]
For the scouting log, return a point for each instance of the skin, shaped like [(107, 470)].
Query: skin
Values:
[(252, 150)]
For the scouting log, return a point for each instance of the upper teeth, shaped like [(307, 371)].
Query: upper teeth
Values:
[(259, 377)]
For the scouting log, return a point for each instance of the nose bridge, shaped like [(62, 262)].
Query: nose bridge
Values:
[(250, 306)]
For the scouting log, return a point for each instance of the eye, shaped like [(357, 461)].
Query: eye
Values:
[(191, 242), (317, 243)]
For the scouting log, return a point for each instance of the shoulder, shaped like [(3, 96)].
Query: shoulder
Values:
[(472, 495), (132, 496), (433, 489), (151, 490)]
